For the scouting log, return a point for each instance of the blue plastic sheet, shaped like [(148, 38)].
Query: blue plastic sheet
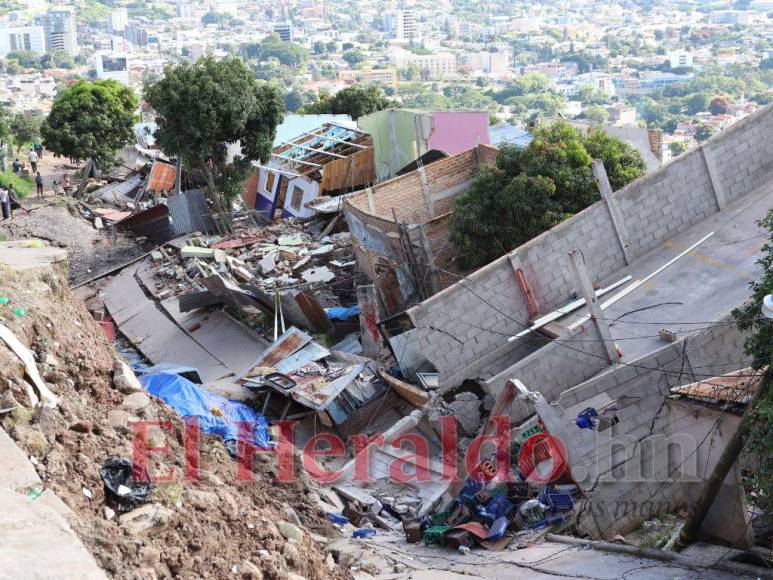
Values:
[(342, 312), (216, 414)]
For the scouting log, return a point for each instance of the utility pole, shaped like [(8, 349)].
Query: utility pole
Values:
[(733, 449)]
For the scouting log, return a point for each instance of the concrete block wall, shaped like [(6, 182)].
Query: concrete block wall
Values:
[(655, 208), (743, 154), (666, 202), (555, 367)]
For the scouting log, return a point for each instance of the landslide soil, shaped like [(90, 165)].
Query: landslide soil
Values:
[(215, 527)]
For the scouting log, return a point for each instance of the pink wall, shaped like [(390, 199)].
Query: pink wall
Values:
[(456, 132)]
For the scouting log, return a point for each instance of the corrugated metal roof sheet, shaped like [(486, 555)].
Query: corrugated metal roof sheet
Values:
[(120, 191), (162, 177), (189, 212)]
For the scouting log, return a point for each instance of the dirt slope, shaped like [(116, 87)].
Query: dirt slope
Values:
[(211, 529)]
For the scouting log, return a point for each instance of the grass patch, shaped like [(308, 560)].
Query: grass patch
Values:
[(22, 185)]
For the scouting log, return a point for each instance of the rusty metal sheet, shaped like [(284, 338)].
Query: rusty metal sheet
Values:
[(287, 344), (360, 418), (162, 177), (313, 312)]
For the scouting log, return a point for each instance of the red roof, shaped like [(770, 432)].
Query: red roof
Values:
[(162, 177)]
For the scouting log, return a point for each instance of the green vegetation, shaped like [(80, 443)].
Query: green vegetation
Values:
[(287, 53), (204, 105), (93, 12), (759, 346), (531, 190), (25, 130), (91, 120), (355, 101), (25, 59), (353, 57), (21, 184)]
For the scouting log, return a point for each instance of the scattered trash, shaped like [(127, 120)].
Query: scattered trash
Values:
[(89, 494), (126, 485), (364, 533), (337, 518), (35, 492)]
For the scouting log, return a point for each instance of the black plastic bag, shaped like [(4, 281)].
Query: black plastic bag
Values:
[(124, 491)]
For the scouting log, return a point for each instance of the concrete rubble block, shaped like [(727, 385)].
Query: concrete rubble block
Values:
[(202, 500), (124, 378), (466, 409), (322, 274), (268, 263), (196, 252), (136, 402), (147, 518), (290, 531), (120, 420)]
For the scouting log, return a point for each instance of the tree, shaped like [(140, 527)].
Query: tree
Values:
[(91, 120), (703, 132), (353, 57), (24, 130), (719, 105), (355, 101), (202, 106), (318, 47), (293, 100), (596, 114), (25, 58), (759, 346), (532, 189), (409, 73), (697, 103), (287, 53), (5, 133), (677, 148)]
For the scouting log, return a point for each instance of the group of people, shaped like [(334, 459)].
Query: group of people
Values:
[(9, 202), (36, 154)]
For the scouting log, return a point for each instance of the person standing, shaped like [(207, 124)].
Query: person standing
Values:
[(39, 184), (5, 205), (33, 157), (66, 184), (39, 150), (14, 203)]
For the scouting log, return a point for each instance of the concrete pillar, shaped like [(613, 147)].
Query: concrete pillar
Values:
[(370, 337), (371, 200), (719, 194), (591, 301), (614, 209), (425, 192)]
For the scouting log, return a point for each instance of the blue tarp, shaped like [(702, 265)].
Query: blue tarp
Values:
[(216, 414), (342, 312)]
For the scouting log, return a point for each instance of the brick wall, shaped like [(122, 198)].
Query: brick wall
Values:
[(655, 208)]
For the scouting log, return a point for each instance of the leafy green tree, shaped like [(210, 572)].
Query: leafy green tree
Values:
[(24, 58), (202, 106), (590, 95), (677, 148), (409, 73), (697, 103), (318, 47), (622, 162), (57, 59), (532, 189), (703, 133), (759, 346), (25, 130), (355, 101), (287, 53), (596, 114), (293, 100), (91, 120), (353, 57)]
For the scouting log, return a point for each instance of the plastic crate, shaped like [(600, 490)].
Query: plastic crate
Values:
[(556, 499), (436, 535)]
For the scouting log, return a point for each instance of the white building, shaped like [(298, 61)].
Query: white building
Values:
[(680, 58), (119, 18), (434, 66), (495, 63), (729, 17), (32, 38), (285, 31), (401, 25), (59, 27), (112, 66)]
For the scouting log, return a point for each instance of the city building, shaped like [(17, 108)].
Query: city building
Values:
[(622, 115), (119, 18), (284, 30), (383, 76), (680, 58), (432, 66), (401, 25), (112, 66), (136, 35), (31, 38), (60, 32), (489, 62)]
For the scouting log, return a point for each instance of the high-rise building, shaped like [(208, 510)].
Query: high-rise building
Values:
[(15, 38), (284, 30), (59, 27), (119, 18), (401, 25), (136, 35), (112, 66)]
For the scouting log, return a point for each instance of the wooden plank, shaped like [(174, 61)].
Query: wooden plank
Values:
[(414, 395)]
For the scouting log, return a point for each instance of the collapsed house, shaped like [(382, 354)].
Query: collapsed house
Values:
[(682, 234), (400, 227), (403, 136), (327, 161)]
